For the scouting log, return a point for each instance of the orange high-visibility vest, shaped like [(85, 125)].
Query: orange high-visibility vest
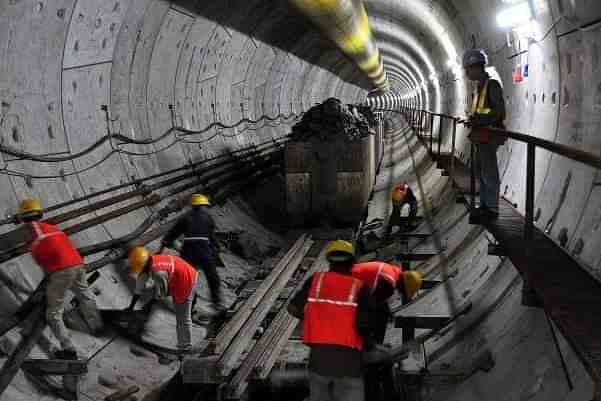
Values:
[(331, 311), (52, 249), (181, 277), (370, 273)]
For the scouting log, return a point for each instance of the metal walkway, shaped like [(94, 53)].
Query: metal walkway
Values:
[(568, 293)]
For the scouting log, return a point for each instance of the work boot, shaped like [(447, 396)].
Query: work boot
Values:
[(66, 354)]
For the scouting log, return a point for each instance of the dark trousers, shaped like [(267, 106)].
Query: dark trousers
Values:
[(397, 220), (379, 381), (204, 261), (488, 172)]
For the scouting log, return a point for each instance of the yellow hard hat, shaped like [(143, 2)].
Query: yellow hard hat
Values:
[(413, 282), (29, 206), (199, 200), (340, 251), (137, 258)]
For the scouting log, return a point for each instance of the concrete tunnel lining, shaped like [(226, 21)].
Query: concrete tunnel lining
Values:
[(61, 60)]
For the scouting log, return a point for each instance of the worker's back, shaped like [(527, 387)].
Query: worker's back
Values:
[(197, 228), (52, 249), (181, 277)]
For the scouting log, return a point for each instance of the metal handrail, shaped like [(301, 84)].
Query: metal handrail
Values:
[(416, 118)]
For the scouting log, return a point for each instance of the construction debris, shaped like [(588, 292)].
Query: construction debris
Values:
[(330, 119)]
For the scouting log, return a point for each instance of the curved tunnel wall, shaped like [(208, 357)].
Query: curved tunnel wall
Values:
[(61, 60)]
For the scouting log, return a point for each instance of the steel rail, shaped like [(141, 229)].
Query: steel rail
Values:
[(259, 310), (229, 331), (253, 148), (220, 177)]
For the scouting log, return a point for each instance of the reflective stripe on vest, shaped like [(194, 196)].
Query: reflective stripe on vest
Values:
[(168, 267), (40, 235), (371, 273), (350, 300), (380, 268), (181, 277), (52, 249), (480, 100), (196, 239), (331, 311)]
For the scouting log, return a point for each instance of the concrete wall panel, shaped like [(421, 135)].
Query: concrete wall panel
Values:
[(93, 31)]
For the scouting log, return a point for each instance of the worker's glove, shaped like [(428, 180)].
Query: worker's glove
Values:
[(148, 307)]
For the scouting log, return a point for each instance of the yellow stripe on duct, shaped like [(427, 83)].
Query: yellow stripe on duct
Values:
[(346, 23)]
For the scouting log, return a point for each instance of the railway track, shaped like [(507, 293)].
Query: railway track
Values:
[(236, 357)]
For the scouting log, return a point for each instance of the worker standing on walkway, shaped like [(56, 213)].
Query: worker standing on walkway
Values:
[(57, 256), (160, 276), (336, 313), (198, 229), (382, 279), (488, 110), (402, 195)]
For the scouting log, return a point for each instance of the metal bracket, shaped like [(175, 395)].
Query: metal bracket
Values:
[(496, 250)]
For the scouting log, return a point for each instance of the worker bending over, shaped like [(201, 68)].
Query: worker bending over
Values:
[(382, 279), (57, 256), (336, 313), (488, 110), (400, 196), (162, 276), (198, 230)]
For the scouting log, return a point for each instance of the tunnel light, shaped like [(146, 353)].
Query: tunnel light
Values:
[(529, 30), (433, 77), (515, 15)]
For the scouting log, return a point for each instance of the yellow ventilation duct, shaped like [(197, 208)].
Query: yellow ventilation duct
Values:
[(346, 23)]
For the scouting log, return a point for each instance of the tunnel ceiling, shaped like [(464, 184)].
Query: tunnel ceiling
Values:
[(156, 64)]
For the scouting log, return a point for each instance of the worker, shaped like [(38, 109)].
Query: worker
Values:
[(488, 110), (382, 279), (336, 313), (160, 276), (400, 196), (198, 229), (57, 256)]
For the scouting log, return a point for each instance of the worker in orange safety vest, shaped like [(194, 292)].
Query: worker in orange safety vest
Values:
[(337, 326), (160, 276), (400, 196), (382, 279), (54, 252)]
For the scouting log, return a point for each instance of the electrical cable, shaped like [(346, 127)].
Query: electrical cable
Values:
[(125, 140)]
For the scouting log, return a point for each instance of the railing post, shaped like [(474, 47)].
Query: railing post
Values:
[(530, 174), (432, 135), (473, 175), (431, 126), (440, 120), (453, 148)]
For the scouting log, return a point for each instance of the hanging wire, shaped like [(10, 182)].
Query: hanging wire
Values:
[(125, 140)]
